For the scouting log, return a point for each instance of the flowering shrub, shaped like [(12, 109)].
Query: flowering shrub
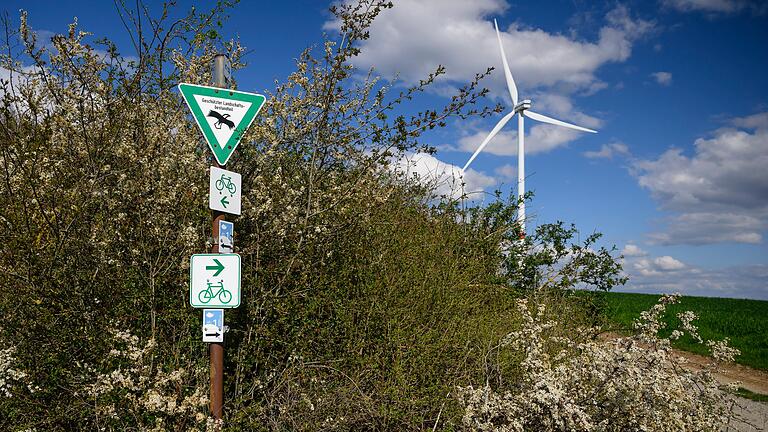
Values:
[(131, 385), (104, 199), (9, 376), (583, 383), (102, 203)]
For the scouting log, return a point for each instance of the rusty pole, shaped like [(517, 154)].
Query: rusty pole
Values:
[(217, 348)]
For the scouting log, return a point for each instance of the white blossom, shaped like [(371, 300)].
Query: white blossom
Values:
[(629, 383)]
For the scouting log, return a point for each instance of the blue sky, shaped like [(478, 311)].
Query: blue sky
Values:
[(676, 177)]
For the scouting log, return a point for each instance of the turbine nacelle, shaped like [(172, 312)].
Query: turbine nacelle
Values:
[(522, 106)]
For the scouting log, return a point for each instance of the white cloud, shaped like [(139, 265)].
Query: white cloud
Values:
[(665, 274), (609, 151), (667, 263), (540, 139), (715, 6), (20, 82), (710, 227), (416, 36), (720, 193), (18, 78), (507, 172), (632, 250), (561, 107), (736, 282), (446, 179), (755, 121), (662, 78), (656, 266)]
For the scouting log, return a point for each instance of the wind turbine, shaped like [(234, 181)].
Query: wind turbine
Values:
[(523, 109)]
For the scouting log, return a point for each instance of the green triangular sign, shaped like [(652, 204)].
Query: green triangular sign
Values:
[(223, 115)]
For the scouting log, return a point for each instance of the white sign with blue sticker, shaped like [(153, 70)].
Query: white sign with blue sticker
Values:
[(226, 237), (213, 325)]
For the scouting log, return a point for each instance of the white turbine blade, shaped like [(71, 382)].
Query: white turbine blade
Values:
[(510, 81), (493, 133), (545, 119)]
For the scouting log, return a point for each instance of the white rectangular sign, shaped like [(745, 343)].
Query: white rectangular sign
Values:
[(213, 325), (224, 191), (214, 280)]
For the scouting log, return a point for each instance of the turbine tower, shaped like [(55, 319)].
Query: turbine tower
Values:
[(523, 109)]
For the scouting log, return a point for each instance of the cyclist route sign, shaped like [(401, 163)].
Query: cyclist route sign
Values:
[(222, 115), (214, 280), (224, 191)]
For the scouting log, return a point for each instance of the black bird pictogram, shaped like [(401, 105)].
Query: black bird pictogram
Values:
[(221, 118)]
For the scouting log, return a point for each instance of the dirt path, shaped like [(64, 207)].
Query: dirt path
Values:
[(751, 379), (753, 415)]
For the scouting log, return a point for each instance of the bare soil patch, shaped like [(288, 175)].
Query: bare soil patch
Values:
[(751, 379)]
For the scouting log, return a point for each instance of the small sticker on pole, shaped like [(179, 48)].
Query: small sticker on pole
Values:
[(226, 237), (213, 325)]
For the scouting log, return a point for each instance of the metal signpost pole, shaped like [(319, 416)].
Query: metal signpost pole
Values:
[(223, 115), (217, 348)]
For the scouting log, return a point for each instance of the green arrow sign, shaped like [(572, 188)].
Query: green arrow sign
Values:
[(224, 201), (222, 115), (218, 267), (214, 281)]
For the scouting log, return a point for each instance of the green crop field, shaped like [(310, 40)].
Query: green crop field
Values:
[(744, 322)]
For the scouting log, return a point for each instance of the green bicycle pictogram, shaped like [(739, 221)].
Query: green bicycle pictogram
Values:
[(225, 182), (208, 294)]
